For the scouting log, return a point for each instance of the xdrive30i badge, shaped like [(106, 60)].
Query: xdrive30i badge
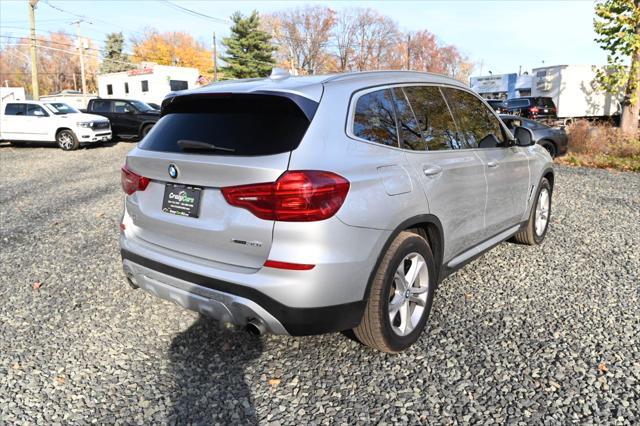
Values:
[(173, 171)]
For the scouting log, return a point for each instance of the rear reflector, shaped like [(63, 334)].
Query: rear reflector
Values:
[(297, 196), (286, 265), (132, 182)]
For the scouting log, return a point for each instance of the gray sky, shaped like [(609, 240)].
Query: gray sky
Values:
[(499, 35)]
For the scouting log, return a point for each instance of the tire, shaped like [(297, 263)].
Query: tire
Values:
[(532, 235), (145, 130), (380, 328), (67, 140), (550, 147)]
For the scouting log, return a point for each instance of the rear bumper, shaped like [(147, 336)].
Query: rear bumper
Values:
[(236, 304)]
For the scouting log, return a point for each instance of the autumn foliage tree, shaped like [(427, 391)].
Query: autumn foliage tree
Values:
[(317, 39), (177, 48), (58, 64), (617, 24)]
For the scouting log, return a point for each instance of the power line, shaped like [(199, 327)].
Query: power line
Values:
[(88, 18), (196, 13)]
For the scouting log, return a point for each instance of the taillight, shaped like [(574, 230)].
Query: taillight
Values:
[(132, 182), (534, 110), (297, 196)]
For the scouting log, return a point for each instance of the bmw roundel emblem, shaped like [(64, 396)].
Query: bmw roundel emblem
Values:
[(173, 171)]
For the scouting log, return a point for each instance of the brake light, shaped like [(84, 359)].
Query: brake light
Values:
[(534, 110), (132, 182), (297, 196)]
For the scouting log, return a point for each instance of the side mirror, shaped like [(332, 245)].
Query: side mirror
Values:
[(38, 113), (524, 136)]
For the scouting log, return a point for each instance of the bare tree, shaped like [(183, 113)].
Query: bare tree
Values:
[(302, 35)]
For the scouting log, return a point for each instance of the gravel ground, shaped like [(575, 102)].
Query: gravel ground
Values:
[(547, 334)]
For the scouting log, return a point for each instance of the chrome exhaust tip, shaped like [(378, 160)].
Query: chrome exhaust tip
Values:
[(256, 327)]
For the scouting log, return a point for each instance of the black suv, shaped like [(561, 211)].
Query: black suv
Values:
[(130, 119), (534, 107), (498, 105)]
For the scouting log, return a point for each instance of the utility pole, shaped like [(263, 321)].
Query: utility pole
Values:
[(81, 47), (215, 58), (35, 89), (408, 52)]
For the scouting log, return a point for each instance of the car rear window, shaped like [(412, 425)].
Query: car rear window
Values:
[(545, 103), (238, 124), (517, 103)]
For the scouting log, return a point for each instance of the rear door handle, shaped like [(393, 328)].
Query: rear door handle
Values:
[(492, 164), (431, 170)]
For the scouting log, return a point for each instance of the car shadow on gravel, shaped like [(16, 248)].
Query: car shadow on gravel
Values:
[(209, 368)]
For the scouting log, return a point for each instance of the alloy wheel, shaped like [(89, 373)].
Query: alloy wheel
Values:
[(408, 295), (542, 212)]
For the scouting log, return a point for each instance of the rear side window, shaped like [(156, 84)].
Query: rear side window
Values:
[(410, 134), (239, 124), (477, 123), (36, 110), (101, 106), (15, 109), (375, 119), (436, 122)]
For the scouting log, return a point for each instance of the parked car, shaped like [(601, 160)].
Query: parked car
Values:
[(31, 121), (154, 106), (305, 205), (536, 108), (498, 105), (130, 119), (554, 140)]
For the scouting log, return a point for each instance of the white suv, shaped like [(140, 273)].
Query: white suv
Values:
[(24, 121)]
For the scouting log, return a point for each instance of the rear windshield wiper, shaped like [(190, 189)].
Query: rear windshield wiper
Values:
[(187, 144)]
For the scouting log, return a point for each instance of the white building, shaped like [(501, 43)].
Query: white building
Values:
[(149, 83)]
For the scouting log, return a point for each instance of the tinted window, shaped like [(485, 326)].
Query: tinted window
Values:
[(36, 110), (478, 124), (248, 124), (101, 106), (15, 109), (434, 118), (109, 89), (410, 134), (145, 85), (517, 103), (545, 103), (375, 118), (122, 107), (178, 85)]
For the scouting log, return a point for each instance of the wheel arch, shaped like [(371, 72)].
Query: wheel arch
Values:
[(145, 124), (61, 128), (548, 141), (426, 225)]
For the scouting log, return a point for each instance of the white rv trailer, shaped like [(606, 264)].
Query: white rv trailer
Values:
[(575, 92)]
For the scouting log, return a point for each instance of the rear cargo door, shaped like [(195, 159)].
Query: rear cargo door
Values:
[(203, 144)]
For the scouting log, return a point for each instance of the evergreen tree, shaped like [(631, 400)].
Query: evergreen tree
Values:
[(114, 59), (248, 50)]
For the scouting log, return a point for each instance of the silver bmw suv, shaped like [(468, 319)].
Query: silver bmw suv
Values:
[(305, 205)]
